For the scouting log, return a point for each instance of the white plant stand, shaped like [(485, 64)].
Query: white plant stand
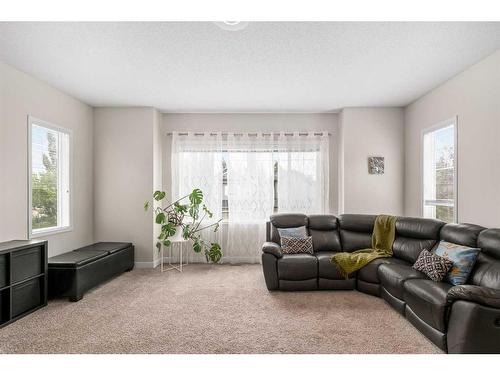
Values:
[(178, 241)]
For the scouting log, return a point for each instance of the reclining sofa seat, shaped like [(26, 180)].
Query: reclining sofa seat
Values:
[(458, 319), (474, 320), (303, 271), (412, 236), (421, 300)]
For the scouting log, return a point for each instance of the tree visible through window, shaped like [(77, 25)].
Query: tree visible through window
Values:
[(49, 178), (439, 169)]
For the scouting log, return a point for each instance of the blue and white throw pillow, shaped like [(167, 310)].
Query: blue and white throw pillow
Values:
[(297, 232), (463, 258)]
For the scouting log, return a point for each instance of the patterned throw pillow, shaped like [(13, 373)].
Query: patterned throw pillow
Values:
[(297, 232), (293, 245), (434, 266), (463, 258)]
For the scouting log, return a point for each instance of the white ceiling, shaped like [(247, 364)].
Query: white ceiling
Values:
[(267, 67)]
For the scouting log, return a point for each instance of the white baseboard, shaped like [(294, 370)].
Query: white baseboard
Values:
[(144, 265), (228, 260)]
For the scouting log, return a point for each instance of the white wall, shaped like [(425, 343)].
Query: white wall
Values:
[(22, 95), (473, 96), (157, 173), (123, 170), (371, 132), (248, 123)]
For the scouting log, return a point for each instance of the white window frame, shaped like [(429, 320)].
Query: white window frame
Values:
[(441, 125), (59, 229)]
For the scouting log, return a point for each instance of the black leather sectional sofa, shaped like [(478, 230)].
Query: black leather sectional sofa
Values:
[(458, 319)]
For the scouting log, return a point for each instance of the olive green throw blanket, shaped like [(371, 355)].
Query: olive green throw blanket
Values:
[(383, 235)]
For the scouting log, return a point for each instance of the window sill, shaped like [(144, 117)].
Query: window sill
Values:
[(50, 231)]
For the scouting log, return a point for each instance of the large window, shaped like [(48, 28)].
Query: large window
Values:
[(248, 176), (49, 178), (439, 172)]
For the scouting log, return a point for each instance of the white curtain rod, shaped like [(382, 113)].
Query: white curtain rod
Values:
[(252, 133)]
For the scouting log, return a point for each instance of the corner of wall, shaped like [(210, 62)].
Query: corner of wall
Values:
[(340, 171)]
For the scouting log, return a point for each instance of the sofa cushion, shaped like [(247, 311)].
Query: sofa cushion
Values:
[(461, 234), (489, 242), (463, 258), (410, 248), (323, 222), (352, 241), (486, 271), (324, 232), (393, 276), (326, 269), (413, 235), (284, 221), (357, 223), (369, 272), (297, 267), (293, 245), (356, 231), (433, 266), (415, 227), (427, 299)]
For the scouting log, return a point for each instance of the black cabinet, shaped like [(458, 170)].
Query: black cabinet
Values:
[(23, 278)]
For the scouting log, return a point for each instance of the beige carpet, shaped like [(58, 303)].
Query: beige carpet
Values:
[(212, 309)]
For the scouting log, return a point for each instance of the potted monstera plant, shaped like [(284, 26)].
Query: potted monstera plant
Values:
[(185, 217)]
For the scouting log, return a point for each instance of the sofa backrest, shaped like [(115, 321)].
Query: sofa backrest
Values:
[(324, 232), (356, 231), (284, 221), (486, 271), (322, 228), (414, 235), (461, 234)]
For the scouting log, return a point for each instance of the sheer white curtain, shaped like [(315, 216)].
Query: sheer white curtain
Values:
[(196, 162), (250, 192), (252, 185), (303, 172)]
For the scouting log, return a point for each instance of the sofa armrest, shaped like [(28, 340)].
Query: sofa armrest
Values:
[(473, 293), (272, 248)]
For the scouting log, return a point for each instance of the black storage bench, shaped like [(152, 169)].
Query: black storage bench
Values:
[(74, 273)]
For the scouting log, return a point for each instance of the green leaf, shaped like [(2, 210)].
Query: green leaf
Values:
[(197, 247), (168, 230), (194, 212), (146, 205), (180, 208), (167, 243), (185, 231), (160, 218), (196, 197), (159, 195), (214, 254)]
